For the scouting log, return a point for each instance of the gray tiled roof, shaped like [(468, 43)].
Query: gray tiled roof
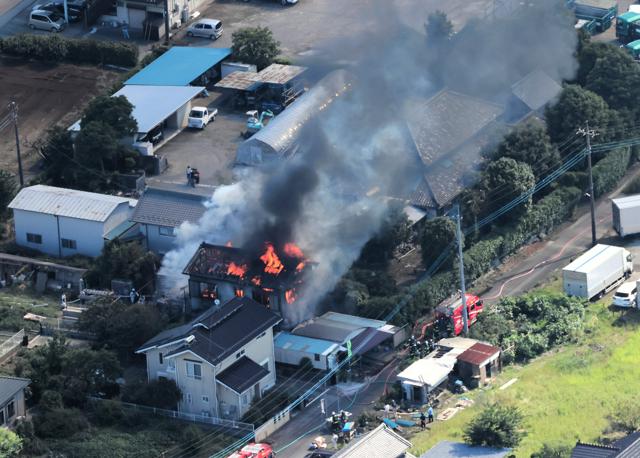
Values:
[(536, 89), (9, 386), (594, 451), (382, 442), (447, 449), (219, 332), (163, 207), (242, 375), (70, 203)]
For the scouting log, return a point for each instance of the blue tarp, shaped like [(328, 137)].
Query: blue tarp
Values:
[(179, 66)]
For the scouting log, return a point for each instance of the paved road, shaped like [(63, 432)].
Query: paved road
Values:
[(536, 264)]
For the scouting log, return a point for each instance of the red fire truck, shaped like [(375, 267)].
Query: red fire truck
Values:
[(450, 311), (254, 451)]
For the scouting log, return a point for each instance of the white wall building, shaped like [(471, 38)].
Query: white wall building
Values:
[(222, 361), (65, 222)]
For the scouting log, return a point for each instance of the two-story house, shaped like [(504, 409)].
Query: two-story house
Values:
[(222, 361)]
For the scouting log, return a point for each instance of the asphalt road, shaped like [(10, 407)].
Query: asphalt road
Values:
[(536, 264)]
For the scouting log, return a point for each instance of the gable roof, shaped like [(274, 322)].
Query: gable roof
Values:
[(447, 449), (381, 442), (179, 66), (218, 332), (242, 375), (478, 353), (536, 89), (627, 447), (9, 386), (322, 328), (68, 202), (164, 207)]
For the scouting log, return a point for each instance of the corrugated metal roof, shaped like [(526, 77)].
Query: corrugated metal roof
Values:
[(353, 320), (9, 386), (276, 74), (280, 74), (67, 202), (169, 208), (429, 371), (288, 341), (594, 451), (179, 66), (478, 353), (382, 442), (447, 449), (241, 81)]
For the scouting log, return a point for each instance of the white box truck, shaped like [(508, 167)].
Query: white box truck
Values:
[(626, 215), (597, 271)]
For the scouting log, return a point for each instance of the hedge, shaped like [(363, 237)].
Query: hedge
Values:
[(608, 172), (55, 48)]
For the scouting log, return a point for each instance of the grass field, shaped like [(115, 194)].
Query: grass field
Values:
[(15, 303), (566, 394)]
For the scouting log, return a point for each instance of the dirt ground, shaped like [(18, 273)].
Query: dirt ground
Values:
[(46, 94)]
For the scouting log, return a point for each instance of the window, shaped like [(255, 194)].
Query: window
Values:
[(188, 398), (205, 398), (167, 231), (265, 364), (316, 357), (160, 359), (11, 409), (245, 398), (194, 370), (208, 291), (261, 335), (2, 417), (262, 297), (239, 292), (34, 238), (239, 354), (68, 243)]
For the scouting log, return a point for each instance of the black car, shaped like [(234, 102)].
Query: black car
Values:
[(74, 10)]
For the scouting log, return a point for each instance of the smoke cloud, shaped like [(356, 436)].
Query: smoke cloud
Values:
[(332, 196)]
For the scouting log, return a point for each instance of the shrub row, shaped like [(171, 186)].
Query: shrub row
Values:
[(608, 172), (55, 48)]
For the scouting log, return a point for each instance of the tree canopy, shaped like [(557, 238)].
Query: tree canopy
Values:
[(504, 180), (112, 111), (530, 143), (125, 260), (496, 425), (616, 78), (255, 45), (438, 27), (435, 237), (8, 190), (10, 443)]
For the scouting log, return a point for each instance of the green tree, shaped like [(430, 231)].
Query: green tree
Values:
[(616, 78), (115, 112), (255, 45), (530, 143), (97, 148), (553, 451), (576, 106), (393, 232), (57, 150), (126, 260), (588, 53), (161, 393), (8, 190), (438, 27), (10, 443), (496, 426), (505, 179), (435, 237)]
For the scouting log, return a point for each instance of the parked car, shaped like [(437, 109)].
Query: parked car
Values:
[(206, 28), (154, 136), (74, 11), (625, 296), (288, 2), (199, 117), (46, 20)]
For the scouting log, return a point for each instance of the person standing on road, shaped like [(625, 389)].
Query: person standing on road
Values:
[(423, 421), (430, 414), (189, 175)]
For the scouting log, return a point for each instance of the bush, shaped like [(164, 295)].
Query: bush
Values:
[(161, 393), (553, 451), (633, 187), (50, 400), (59, 423), (108, 412), (496, 426), (55, 48), (608, 172), (480, 257)]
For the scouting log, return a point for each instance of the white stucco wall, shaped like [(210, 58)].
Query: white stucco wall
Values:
[(156, 242)]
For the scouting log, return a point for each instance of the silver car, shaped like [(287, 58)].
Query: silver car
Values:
[(207, 28), (46, 20)]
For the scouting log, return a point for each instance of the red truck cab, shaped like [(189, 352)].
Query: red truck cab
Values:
[(452, 309), (254, 451)]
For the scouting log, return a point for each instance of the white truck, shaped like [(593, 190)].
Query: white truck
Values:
[(626, 215), (199, 117), (597, 271)]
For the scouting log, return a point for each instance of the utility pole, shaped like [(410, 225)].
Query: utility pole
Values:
[(465, 317), (589, 134), (166, 22), (13, 106), (66, 11)]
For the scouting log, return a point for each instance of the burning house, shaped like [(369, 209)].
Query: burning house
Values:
[(272, 278)]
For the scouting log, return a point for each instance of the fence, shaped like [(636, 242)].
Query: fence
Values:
[(9, 345), (194, 418)]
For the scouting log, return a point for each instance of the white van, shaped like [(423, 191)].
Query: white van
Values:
[(46, 20), (626, 295)]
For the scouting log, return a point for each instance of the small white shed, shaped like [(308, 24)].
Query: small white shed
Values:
[(424, 375), (65, 222)]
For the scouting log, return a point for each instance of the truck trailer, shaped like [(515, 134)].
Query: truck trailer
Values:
[(602, 11), (597, 271), (628, 27), (626, 215)]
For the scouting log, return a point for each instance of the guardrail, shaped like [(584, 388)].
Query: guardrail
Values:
[(194, 418)]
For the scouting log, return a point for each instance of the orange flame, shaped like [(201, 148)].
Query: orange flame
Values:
[(256, 281), (299, 267), (229, 244), (290, 296), (235, 269), (239, 292), (293, 250), (272, 264)]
